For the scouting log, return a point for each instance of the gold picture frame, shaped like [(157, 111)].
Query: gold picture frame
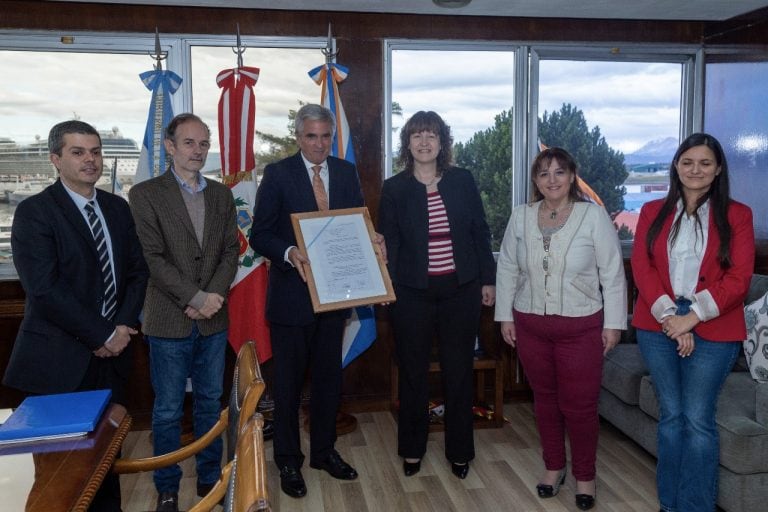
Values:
[(346, 268)]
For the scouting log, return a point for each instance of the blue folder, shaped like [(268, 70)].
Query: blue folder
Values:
[(55, 416)]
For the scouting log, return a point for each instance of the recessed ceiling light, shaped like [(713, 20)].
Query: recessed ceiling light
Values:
[(451, 4)]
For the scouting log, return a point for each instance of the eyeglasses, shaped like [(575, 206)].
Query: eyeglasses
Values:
[(545, 262)]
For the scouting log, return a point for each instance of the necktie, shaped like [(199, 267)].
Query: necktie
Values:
[(317, 186), (97, 230)]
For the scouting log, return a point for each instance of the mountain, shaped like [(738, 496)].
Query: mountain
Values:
[(655, 151)]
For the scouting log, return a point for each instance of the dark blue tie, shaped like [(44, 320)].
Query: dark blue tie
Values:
[(97, 229)]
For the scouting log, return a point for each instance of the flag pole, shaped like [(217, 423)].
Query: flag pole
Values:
[(326, 77), (113, 174)]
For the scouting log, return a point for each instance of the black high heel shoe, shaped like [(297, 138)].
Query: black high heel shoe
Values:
[(586, 501), (550, 491), (411, 468), (460, 470)]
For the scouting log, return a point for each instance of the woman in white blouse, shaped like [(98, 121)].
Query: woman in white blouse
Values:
[(562, 302)]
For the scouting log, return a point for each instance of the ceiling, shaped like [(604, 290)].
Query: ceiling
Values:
[(691, 10)]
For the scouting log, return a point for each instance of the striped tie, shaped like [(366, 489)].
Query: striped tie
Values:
[(319, 189), (110, 299)]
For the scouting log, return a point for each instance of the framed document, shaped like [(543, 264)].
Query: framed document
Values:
[(345, 270)]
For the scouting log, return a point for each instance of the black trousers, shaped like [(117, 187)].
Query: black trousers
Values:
[(451, 311), (295, 349)]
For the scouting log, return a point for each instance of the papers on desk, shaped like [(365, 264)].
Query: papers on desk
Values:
[(51, 417)]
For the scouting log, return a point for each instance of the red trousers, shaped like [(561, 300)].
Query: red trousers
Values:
[(563, 361)]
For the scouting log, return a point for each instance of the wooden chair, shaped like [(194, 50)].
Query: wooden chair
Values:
[(247, 388), (244, 479)]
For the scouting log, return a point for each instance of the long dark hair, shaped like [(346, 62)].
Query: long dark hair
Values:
[(543, 160), (718, 195), (423, 121)]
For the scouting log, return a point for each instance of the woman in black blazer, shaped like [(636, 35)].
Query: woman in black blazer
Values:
[(441, 264)]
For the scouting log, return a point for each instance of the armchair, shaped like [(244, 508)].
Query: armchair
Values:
[(247, 388)]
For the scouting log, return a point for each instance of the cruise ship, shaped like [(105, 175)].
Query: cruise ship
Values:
[(26, 169)]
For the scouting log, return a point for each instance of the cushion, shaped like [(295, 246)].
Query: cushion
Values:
[(758, 286), (756, 344), (622, 370), (761, 404)]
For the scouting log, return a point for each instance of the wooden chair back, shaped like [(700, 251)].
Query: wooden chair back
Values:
[(247, 388), (244, 479)]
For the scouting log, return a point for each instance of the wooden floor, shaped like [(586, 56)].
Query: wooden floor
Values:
[(503, 474)]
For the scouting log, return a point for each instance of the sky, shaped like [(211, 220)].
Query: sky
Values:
[(632, 103)]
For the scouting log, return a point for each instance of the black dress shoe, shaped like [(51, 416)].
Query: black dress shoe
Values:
[(585, 501), (460, 470), (550, 491), (168, 502), (336, 467), (204, 489), (292, 483), (411, 468), (269, 429)]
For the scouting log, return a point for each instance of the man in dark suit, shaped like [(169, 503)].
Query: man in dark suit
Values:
[(187, 227), (308, 181), (80, 263)]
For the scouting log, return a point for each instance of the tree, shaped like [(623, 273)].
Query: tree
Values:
[(277, 147), (397, 110), (488, 154), (625, 233), (600, 166)]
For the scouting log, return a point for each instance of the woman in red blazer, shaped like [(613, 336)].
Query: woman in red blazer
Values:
[(692, 262)]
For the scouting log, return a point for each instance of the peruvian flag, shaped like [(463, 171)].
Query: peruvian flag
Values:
[(248, 294)]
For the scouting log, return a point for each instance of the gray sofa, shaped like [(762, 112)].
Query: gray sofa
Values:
[(627, 400)]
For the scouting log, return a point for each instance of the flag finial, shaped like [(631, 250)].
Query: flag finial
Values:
[(328, 51), (240, 49), (158, 55)]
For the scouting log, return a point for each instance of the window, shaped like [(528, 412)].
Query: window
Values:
[(283, 86), (42, 88), (735, 113), (628, 105), (50, 78), (621, 122), (475, 97)]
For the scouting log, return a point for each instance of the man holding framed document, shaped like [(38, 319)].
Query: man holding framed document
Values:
[(308, 181)]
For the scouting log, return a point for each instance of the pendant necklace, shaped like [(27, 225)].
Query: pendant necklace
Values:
[(553, 213)]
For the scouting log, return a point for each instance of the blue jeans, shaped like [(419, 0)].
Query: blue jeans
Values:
[(687, 441), (171, 361)]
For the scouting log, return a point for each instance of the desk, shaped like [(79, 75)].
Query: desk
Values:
[(64, 475)]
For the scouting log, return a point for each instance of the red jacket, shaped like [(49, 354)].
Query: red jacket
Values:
[(728, 287)]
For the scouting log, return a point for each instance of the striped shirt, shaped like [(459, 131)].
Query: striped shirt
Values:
[(440, 247)]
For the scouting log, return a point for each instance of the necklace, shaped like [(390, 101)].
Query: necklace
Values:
[(431, 182), (553, 213)]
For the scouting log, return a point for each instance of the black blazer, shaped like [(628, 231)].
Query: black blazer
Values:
[(286, 189), (58, 267), (404, 222)]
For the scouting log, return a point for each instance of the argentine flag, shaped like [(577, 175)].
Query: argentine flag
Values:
[(360, 330), (162, 83)]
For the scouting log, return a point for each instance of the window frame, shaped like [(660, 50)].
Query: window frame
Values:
[(528, 56)]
